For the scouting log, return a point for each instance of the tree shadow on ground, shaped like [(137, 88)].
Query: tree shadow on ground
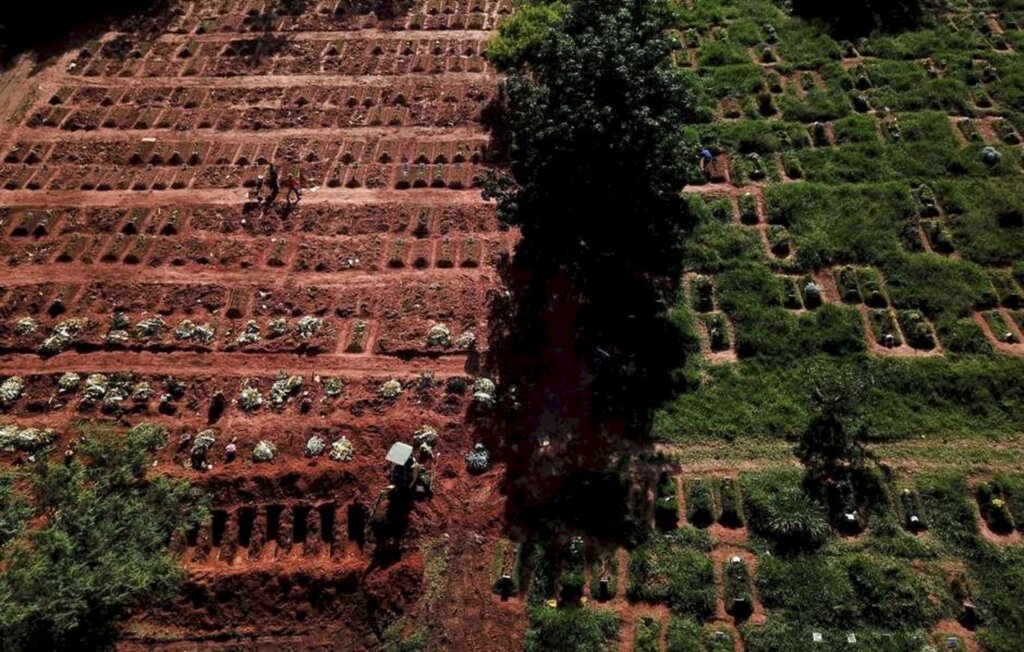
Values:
[(51, 31), (588, 369)]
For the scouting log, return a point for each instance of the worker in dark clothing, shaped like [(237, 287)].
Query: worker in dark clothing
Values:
[(273, 184)]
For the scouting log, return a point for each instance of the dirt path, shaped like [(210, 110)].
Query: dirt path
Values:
[(230, 364), (435, 134), (288, 81), (131, 198), (113, 273), (354, 35)]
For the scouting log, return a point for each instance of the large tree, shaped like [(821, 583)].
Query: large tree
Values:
[(97, 544), (593, 123)]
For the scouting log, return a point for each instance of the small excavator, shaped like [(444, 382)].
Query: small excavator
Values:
[(408, 476)]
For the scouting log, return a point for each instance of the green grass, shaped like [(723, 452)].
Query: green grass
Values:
[(971, 397), (574, 629), (863, 202), (674, 569)]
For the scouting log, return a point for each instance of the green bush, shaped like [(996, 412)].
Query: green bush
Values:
[(811, 590), (997, 577), (14, 511), (994, 508), (890, 595), (778, 635), (523, 32), (871, 288), (717, 639), (779, 510), (683, 635), (62, 587)]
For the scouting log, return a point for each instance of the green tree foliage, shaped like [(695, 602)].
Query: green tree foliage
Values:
[(593, 118), (831, 445), (102, 546), (520, 35)]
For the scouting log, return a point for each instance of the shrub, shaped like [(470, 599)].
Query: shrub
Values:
[(994, 508), (779, 510), (812, 590), (948, 510), (604, 566), (917, 329), (683, 635), (520, 35), (890, 595), (717, 639), (848, 286)]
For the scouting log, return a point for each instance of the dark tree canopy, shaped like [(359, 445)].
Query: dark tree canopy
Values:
[(593, 124), (858, 18)]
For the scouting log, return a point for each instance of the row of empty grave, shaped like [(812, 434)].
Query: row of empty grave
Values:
[(889, 329), (293, 253), (419, 102), (282, 54), (159, 164), (254, 16), (254, 534)]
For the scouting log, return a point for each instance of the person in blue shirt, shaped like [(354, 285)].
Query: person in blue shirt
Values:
[(706, 157)]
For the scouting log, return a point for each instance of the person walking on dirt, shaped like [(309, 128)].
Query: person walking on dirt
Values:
[(259, 189), (292, 184), (273, 184)]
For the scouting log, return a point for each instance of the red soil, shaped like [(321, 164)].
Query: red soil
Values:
[(125, 177)]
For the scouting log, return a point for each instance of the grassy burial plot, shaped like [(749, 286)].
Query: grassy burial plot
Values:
[(674, 569)]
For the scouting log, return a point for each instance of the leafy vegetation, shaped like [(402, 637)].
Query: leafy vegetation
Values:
[(101, 547)]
